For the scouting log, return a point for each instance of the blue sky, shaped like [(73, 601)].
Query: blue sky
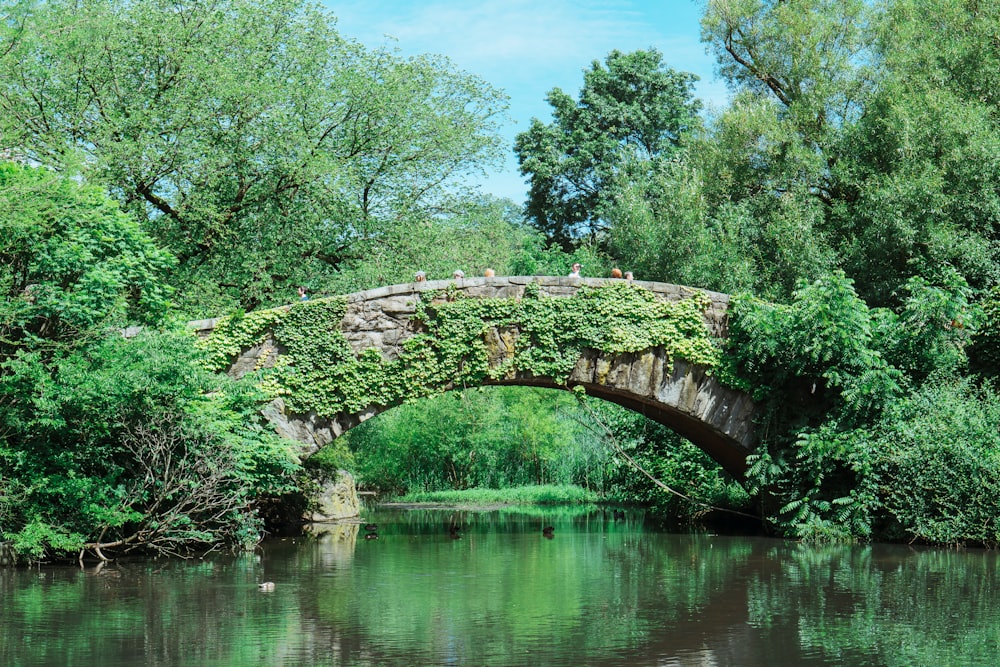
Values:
[(528, 47)]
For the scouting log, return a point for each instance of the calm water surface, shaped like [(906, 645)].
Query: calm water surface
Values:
[(600, 591)]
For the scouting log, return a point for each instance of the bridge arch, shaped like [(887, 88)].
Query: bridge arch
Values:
[(335, 362)]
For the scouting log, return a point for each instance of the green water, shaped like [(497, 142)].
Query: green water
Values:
[(600, 591)]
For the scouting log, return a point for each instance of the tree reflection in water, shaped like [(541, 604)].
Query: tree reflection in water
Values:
[(600, 592)]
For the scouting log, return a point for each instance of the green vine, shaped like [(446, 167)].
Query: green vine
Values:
[(459, 340)]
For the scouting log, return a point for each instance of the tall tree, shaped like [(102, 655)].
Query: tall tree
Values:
[(921, 167), (251, 138), (631, 106), (735, 211), (879, 119), (876, 122)]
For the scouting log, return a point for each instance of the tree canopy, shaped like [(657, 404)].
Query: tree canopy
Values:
[(875, 117), (107, 441), (630, 107), (860, 136), (252, 140)]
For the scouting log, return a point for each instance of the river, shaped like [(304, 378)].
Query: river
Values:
[(450, 587)]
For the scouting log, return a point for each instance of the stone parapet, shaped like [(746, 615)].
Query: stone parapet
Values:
[(380, 317)]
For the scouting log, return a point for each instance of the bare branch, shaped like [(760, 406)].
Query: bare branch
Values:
[(184, 486)]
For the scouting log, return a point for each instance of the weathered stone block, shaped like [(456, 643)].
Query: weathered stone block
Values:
[(337, 499), (396, 306), (260, 356), (640, 380), (501, 345)]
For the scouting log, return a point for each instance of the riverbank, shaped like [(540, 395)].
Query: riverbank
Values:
[(549, 494)]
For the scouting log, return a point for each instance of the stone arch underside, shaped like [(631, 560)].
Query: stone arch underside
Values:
[(682, 396), (678, 395)]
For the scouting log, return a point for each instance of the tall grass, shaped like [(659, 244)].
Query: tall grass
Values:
[(549, 494)]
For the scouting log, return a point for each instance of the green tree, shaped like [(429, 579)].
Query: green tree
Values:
[(72, 265), (470, 234), (873, 121), (930, 333), (631, 106), (497, 438), (250, 138), (108, 443), (821, 350), (984, 351), (939, 456), (808, 55), (746, 204), (677, 225), (848, 429), (128, 445), (919, 168)]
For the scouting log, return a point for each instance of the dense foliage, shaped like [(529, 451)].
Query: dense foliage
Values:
[(984, 352), (112, 444), (874, 431), (70, 263), (490, 438), (131, 444), (862, 140), (317, 371), (250, 138)]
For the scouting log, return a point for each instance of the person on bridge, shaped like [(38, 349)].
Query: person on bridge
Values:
[(459, 274), (419, 277), (302, 293), (628, 276), (616, 272), (489, 273), (575, 273)]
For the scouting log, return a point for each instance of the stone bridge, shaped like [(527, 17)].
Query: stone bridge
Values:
[(377, 324)]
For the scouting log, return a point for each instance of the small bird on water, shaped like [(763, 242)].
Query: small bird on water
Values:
[(266, 586)]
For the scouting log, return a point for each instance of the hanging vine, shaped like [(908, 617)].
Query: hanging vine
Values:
[(318, 371)]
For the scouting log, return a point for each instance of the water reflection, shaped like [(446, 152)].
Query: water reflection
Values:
[(335, 541), (473, 588)]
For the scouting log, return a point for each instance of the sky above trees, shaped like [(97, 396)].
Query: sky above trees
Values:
[(527, 48)]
